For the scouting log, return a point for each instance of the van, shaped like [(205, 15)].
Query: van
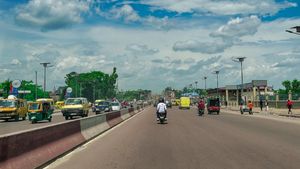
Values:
[(184, 103), (75, 107), (13, 109)]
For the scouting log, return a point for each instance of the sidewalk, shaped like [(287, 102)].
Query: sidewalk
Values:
[(271, 111)]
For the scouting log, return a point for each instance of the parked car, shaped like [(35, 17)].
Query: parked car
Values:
[(115, 106), (102, 106)]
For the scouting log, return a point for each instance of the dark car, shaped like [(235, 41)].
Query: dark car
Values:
[(103, 106), (213, 105)]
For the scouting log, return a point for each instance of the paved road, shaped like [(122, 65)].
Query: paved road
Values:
[(16, 126), (191, 142)]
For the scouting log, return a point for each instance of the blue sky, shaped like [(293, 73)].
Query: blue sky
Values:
[(152, 43)]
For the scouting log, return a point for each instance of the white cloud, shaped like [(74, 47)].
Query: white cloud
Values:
[(229, 34), (15, 62), (202, 47), (51, 14), (125, 12), (140, 49), (238, 27), (226, 7)]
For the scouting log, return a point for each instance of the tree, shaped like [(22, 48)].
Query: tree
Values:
[(93, 85)]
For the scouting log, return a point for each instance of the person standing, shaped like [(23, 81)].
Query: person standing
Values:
[(267, 105), (289, 105), (250, 106), (261, 104)]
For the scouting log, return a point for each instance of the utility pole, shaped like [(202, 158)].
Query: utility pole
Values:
[(45, 65), (241, 59), (205, 77), (36, 85), (217, 73)]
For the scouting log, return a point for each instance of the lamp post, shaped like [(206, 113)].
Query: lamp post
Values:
[(36, 85), (241, 59), (297, 28), (196, 82), (205, 77), (217, 73), (45, 65)]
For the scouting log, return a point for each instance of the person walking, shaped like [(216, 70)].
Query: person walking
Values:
[(267, 105), (289, 105), (261, 104)]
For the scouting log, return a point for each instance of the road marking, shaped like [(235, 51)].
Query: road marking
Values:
[(66, 157)]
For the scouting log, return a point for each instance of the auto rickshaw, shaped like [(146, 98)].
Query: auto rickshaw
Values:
[(38, 111), (59, 104)]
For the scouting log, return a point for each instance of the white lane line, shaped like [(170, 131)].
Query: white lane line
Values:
[(66, 157)]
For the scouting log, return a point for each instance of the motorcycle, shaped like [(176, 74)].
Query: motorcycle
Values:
[(201, 112), (162, 117)]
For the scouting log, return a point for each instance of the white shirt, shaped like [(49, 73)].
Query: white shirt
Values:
[(161, 107)]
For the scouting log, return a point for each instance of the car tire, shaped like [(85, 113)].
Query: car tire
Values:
[(218, 112), (66, 117)]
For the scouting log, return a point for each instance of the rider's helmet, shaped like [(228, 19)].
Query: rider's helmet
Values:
[(161, 100)]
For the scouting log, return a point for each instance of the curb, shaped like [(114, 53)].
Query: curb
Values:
[(36, 147)]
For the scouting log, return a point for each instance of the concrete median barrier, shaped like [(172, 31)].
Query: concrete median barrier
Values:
[(33, 148)]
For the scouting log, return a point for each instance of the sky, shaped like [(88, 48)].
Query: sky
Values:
[(153, 43)]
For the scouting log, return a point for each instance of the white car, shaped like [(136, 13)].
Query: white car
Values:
[(115, 106)]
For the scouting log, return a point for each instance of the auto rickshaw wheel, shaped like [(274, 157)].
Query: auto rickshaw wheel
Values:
[(17, 117), (50, 119), (66, 117), (218, 112), (33, 121), (24, 118)]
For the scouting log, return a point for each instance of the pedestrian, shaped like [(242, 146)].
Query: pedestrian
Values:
[(267, 105), (289, 105), (250, 106), (261, 104)]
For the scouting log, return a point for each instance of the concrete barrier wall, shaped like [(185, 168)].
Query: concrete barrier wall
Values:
[(33, 148)]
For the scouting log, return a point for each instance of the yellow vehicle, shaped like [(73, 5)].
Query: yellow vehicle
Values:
[(59, 104), (184, 102), (173, 101), (13, 109), (75, 107), (177, 102), (51, 101)]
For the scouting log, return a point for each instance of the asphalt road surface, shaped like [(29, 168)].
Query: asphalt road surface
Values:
[(224, 141), (16, 126)]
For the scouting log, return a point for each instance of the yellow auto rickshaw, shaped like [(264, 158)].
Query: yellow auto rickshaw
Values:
[(38, 111), (59, 104)]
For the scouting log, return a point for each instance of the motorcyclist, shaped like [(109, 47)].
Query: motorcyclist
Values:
[(201, 104), (161, 108)]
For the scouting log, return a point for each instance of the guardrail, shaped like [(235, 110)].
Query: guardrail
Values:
[(33, 148)]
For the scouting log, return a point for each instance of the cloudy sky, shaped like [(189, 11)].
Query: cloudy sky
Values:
[(153, 43)]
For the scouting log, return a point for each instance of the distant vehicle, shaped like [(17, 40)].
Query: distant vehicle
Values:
[(59, 104), (102, 106), (124, 104), (51, 101), (13, 109), (213, 105), (38, 111), (115, 106), (173, 101), (75, 107), (177, 102), (168, 104), (94, 106), (185, 102)]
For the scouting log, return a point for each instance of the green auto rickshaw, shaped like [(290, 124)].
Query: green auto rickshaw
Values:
[(39, 111)]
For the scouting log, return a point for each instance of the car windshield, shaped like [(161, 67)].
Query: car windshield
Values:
[(115, 104), (103, 104), (73, 101), (34, 106), (7, 103)]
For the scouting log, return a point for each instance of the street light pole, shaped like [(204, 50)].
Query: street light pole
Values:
[(217, 73), (205, 77), (45, 65), (241, 59), (297, 32), (36, 85)]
